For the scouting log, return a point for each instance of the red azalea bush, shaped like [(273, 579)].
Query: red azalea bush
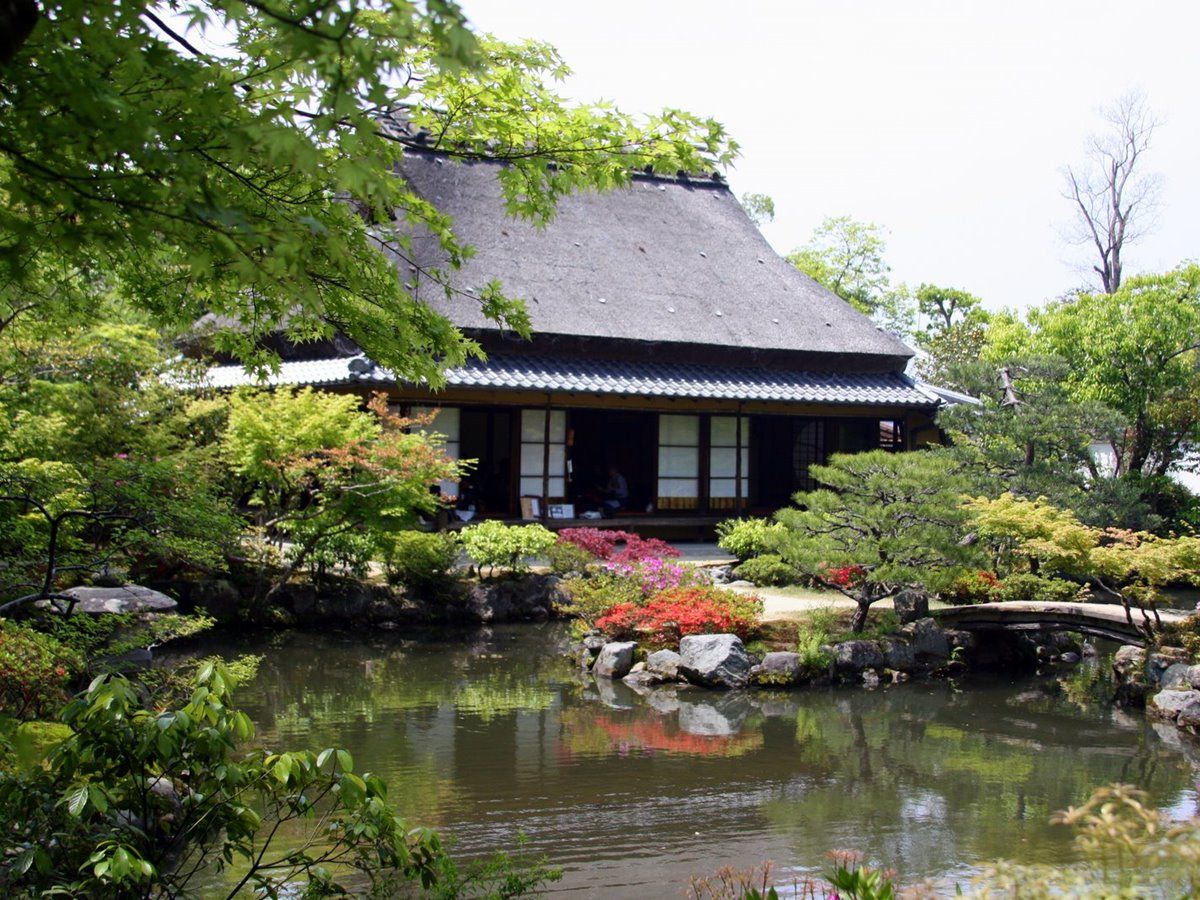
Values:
[(844, 576), (678, 612), (596, 541)]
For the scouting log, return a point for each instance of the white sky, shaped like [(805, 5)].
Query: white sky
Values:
[(946, 122)]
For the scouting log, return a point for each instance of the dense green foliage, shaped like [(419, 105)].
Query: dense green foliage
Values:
[(200, 158), (767, 570), (881, 522), (420, 559), (746, 538), (36, 671), (139, 800), (509, 547)]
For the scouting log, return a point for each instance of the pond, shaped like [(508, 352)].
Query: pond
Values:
[(493, 734)]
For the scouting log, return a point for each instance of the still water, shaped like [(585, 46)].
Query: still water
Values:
[(494, 734)]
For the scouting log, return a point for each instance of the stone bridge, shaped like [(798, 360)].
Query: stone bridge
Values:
[(1102, 620)]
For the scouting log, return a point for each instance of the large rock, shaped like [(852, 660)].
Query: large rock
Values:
[(1129, 664), (928, 641), (898, 654), (128, 598), (531, 597), (664, 664), (1175, 677), (857, 656), (615, 659), (714, 660), (778, 669), (911, 606), (1158, 662), (1174, 705)]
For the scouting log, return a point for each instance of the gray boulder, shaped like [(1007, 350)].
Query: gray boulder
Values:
[(1129, 664), (910, 606), (664, 664), (714, 660), (1172, 705), (778, 669), (928, 641), (1070, 658), (128, 598), (1158, 662), (1193, 676), (898, 654), (856, 656), (1175, 677), (615, 659)]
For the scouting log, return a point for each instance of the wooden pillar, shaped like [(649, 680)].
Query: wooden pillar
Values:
[(546, 462)]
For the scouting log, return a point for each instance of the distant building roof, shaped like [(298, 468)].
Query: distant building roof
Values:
[(675, 380), (672, 260)]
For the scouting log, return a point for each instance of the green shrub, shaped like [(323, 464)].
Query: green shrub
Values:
[(35, 672), (420, 559), (747, 538), (196, 792), (115, 633), (768, 570), (567, 558), (1029, 587), (496, 545), (592, 596), (814, 635), (974, 587)]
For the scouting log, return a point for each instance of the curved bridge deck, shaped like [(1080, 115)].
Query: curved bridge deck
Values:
[(1102, 620)]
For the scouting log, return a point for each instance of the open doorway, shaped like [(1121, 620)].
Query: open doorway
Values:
[(486, 435), (602, 442)]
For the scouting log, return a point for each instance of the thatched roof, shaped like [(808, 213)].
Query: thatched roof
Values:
[(671, 260)]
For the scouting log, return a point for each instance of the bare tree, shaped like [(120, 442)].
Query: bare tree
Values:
[(1113, 197)]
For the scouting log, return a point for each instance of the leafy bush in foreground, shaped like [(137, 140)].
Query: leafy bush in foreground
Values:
[(496, 545), (35, 671), (748, 538), (139, 799), (420, 559), (591, 596), (768, 570)]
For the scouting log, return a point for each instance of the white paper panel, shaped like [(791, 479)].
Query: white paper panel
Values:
[(678, 487), (722, 462), (679, 430), (678, 462), (532, 487), (531, 459), (724, 487), (533, 425), (721, 433), (444, 423)]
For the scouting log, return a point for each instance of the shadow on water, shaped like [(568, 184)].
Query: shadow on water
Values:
[(491, 734)]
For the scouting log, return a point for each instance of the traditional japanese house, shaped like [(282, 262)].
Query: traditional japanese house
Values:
[(672, 347)]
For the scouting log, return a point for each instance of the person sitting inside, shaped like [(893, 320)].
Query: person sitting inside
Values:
[(616, 490)]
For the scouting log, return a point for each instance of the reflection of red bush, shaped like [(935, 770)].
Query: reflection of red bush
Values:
[(653, 734), (674, 613)]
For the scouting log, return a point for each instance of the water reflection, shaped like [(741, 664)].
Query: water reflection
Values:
[(497, 734)]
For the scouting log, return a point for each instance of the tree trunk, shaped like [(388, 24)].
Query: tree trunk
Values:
[(17, 19), (859, 622)]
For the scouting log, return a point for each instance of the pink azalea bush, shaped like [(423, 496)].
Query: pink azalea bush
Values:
[(654, 574)]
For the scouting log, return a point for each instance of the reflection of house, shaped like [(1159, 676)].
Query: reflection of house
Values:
[(662, 319)]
